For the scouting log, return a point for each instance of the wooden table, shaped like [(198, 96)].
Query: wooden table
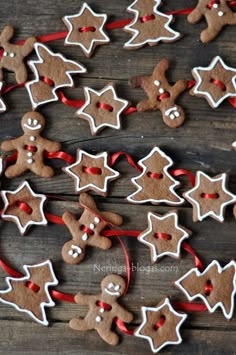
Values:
[(203, 143)]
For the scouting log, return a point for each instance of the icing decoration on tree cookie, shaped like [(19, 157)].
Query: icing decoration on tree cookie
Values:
[(161, 325), (86, 29), (3, 106), (52, 71), (86, 231), (103, 309), (161, 95), (102, 108), (30, 148), (14, 54), (155, 184), (24, 207), (216, 286), (164, 235), (209, 197), (91, 172), (217, 14), (215, 83), (30, 293), (149, 25)]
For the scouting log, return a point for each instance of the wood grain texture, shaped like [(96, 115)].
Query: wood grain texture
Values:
[(203, 143)]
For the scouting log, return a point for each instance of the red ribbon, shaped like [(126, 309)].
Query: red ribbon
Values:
[(92, 170), (32, 286), (190, 250), (192, 307), (179, 172), (130, 160), (121, 325), (105, 106), (210, 196), (73, 103), (62, 296), (24, 207), (219, 83), (122, 233), (130, 110), (163, 236), (10, 271), (54, 219), (208, 288), (87, 29), (147, 18), (163, 96), (128, 267), (160, 323), (190, 84), (155, 175), (60, 155)]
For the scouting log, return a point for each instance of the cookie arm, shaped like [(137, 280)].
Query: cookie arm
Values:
[(82, 299), (8, 145), (195, 16), (178, 88), (123, 314), (51, 146), (28, 46)]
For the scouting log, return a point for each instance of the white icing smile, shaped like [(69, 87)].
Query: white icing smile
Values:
[(75, 251), (32, 124), (113, 289)]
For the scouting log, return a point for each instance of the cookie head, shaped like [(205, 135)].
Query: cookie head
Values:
[(113, 286), (72, 252), (32, 122)]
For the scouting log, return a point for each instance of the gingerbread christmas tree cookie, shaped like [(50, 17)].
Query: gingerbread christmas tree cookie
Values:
[(155, 184), (215, 286), (86, 30), (149, 26)]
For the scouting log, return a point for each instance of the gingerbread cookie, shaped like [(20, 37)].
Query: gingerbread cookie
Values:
[(30, 148), (161, 95), (160, 325), (103, 309), (91, 172), (215, 286), (24, 207), (210, 197), (102, 108), (3, 106), (164, 235), (217, 14), (149, 25), (30, 293), (86, 30), (87, 230), (215, 83), (155, 184), (52, 71), (14, 54)]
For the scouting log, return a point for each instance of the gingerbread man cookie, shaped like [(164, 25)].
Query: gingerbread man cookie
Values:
[(87, 230), (14, 54), (30, 148), (161, 95), (103, 309), (217, 14)]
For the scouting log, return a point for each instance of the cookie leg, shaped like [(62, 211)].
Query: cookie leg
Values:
[(144, 105), (43, 171), (108, 336), (210, 33), (79, 324), (21, 74), (15, 170)]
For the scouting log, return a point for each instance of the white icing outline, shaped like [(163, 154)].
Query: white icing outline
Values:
[(168, 112), (80, 154), (136, 32), (100, 29), (99, 93), (144, 321), (26, 278), (15, 218), (81, 69), (3, 106), (142, 236), (199, 295), (31, 128), (219, 217), (112, 293), (176, 183), (213, 63)]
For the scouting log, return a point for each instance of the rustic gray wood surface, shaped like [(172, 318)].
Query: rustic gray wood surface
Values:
[(203, 143)]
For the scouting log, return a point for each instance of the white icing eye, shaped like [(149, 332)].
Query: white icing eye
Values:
[(35, 122), (5, 54), (30, 121), (12, 55), (70, 252), (177, 114), (92, 226), (96, 220), (117, 287), (161, 91), (157, 83), (111, 285), (172, 116)]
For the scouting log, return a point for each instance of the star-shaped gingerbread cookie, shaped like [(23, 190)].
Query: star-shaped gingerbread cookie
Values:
[(215, 83), (155, 184), (161, 325), (164, 235), (149, 25), (216, 286), (102, 108), (86, 29), (24, 207), (209, 197), (91, 172)]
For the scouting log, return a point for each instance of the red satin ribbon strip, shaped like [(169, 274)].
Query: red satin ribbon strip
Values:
[(72, 103), (192, 307), (179, 172), (118, 24), (62, 296), (121, 233), (87, 230), (87, 29), (121, 325), (92, 170), (208, 288), (32, 286), (12, 87), (155, 175), (9, 271), (147, 18), (60, 155), (130, 110), (219, 83), (181, 12), (24, 207), (50, 37), (105, 106), (104, 305), (117, 155), (128, 266), (163, 236), (190, 250), (190, 84), (11, 158), (163, 96), (232, 100), (160, 323), (210, 196), (31, 148), (54, 219)]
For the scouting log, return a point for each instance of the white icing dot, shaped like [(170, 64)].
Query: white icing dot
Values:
[(85, 237), (177, 114), (12, 55), (157, 83), (98, 319), (5, 54), (75, 255), (30, 121), (117, 287), (220, 13), (70, 252), (102, 310), (91, 226), (111, 285), (32, 138), (215, 6), (29, 154), (172, 116), (96, 220), (29, 161), (35, 122), (161, 91)]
